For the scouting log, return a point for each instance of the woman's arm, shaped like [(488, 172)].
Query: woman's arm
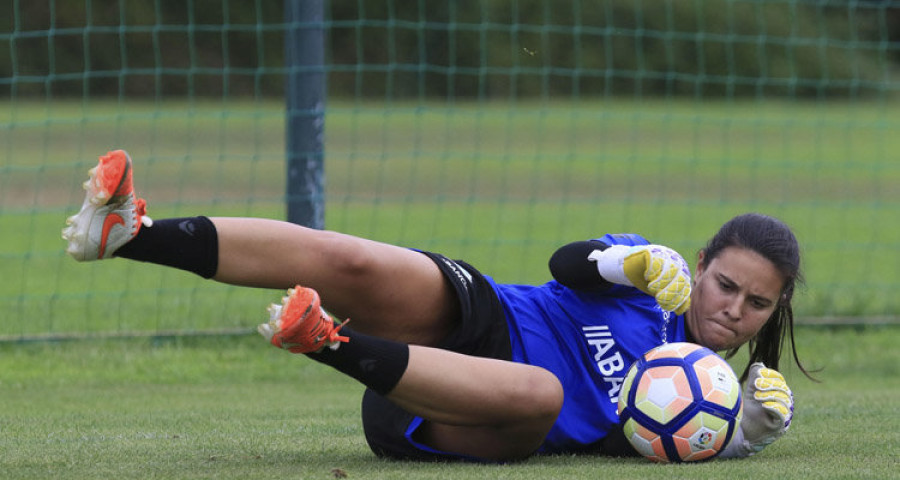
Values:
[(570, 266), (653, 269)]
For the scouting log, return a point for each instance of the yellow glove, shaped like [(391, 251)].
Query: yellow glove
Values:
[(772, 391), (768, 411), (653, 269)]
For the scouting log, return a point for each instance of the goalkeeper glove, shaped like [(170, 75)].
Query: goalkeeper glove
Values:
[(768, 410), (653, 269)]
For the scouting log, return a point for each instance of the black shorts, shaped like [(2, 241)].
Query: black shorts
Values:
[(482, 331)]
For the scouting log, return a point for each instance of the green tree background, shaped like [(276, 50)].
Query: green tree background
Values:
[(457, 49)]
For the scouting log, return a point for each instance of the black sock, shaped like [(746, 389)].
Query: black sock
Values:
[(375, 362), (190, 244)]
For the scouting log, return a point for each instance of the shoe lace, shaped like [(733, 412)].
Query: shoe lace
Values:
[(140, 207), (334, 337), (140, 215)]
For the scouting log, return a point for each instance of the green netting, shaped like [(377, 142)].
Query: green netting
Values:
[(492, 131)]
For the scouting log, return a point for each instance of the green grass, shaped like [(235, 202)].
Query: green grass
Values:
[(232, 407)]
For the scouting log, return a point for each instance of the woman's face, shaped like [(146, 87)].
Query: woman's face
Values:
[(733, 295)]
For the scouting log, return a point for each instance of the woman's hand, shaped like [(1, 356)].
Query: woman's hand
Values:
[(653, 269), (768, 411)]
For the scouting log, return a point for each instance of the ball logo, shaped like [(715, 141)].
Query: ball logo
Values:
[(705, 440), (721, 380)]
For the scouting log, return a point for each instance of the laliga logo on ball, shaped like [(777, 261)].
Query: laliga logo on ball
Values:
[(704, 441), (680, 403)]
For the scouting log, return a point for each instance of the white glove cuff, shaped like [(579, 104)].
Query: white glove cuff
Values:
[(610, 263)]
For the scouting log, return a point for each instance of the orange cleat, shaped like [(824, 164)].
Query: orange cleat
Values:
[(300, 324), (111, 215)]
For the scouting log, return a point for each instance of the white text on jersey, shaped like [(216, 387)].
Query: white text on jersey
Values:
[(607, 357)]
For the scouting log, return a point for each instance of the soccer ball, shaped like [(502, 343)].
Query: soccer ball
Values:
[(680, 402)]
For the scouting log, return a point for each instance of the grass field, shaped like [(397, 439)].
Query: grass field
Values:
[(232, 407)]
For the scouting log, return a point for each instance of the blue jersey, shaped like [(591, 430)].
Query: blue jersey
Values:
[(588, 340)]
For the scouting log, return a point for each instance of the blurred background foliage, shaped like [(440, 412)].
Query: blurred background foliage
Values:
[(466, 49)]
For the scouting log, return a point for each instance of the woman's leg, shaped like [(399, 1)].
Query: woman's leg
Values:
[(473, 405), (486, 408), (385, 290)]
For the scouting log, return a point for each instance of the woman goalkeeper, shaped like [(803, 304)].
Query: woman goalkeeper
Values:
[(458, 366)]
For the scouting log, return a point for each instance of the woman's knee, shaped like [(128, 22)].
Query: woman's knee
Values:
[(546, 394)]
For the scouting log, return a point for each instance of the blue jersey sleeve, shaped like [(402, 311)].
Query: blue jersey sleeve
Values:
[(628, 239)]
